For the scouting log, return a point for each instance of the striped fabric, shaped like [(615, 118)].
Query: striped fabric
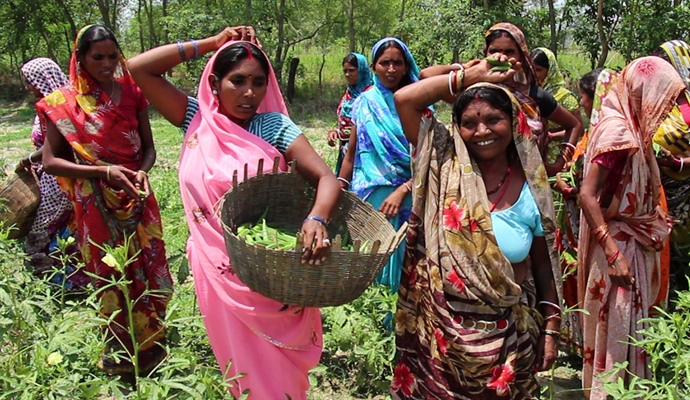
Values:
[(275, 128), (678, 53)]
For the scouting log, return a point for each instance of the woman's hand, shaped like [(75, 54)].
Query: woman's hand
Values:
[(317, 244), (619, 272), (391, 205), (237, 33), (667, 160), (125, 179), (332, 137), (24, 164), (547, 352), (141, 182)]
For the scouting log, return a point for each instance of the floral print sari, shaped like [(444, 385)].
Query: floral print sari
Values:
[(100, 133), (465, 329)]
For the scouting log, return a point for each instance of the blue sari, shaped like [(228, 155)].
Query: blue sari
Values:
[(382, 162)]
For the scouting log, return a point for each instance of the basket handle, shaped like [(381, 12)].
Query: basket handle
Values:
[(399, 235)]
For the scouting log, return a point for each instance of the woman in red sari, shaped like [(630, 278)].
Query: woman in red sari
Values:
[(99, 145)]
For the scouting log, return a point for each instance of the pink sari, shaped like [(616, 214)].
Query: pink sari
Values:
[(272, 346), (626, 119)]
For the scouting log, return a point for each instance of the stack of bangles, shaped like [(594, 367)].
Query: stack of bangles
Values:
[(183, 53), (555, 316), (602, 233), (567, 151), (455, 83)]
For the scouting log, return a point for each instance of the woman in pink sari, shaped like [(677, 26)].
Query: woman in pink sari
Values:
[(238, 118), (619, 273)]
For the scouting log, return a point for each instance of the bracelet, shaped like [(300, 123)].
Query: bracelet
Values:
[(548, 303), (196, 48), (613, 257), (460, 82), (680, 169), (569, 145), (599, 229), (30, 156), (145, 173), (345, 181), (107, 174), (408, 186), (316, 218), (451, 75), (602, 238), (552, 332), (553, 316), (180, 49)]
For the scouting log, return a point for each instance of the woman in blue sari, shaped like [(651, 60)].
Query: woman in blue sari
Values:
[(377, 165), (359, 79)]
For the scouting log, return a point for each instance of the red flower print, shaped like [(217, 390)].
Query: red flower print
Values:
[(598, 289), (646, 67), (456, 281), (453, 216), (523, 126), (501, 377), (442, 342), (403, 380), (474, 225)]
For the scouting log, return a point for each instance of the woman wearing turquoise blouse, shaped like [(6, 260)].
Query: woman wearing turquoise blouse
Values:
[(377, 165)]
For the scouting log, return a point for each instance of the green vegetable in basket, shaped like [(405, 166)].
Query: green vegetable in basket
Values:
[(499, 65), (266, 235)]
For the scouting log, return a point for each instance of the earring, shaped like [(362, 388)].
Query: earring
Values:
[(214, 91)]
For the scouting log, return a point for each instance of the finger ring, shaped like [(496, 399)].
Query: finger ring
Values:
[(326, 241)]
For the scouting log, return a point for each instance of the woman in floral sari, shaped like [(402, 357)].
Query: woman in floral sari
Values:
[(54, 216), (99, 145), (624, 227), (474, 318), (359, 80)]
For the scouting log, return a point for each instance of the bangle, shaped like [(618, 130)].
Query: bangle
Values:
[(196, 48), (548, 303), (107, 174), (180, 49), (553, 316), (568, 144), (457, 65), (599, 229), (316, 218), (680, 169), (145, 173), (613, 257), (552, 332), (345, 181), (459, 82), (30, 158), (451, 75), (408, 186)]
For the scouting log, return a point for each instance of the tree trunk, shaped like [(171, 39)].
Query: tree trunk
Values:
[(294, 63), (602, 35), (351, 23), (280, 46), (323, 63), (142, 46), (402, 11), (552, 25), (70, 19)]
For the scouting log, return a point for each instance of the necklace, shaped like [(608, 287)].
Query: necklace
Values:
[(503, 180), (505, 188)]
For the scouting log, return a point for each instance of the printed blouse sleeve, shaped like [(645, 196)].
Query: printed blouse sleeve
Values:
[(190, 112)]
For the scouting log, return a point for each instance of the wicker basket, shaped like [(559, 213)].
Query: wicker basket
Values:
[(20, 196), (279, 274)]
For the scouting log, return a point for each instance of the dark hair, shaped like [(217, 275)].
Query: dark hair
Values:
[(93, 34), (406, 80), (661, 53), (498, 98), (232, 55), (540, 58), (588, 82), (351, 59), (495, 34)]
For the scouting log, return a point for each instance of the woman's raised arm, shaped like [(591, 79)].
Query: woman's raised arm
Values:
[(148, 69)]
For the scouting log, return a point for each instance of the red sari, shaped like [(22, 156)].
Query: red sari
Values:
[(103, 133)]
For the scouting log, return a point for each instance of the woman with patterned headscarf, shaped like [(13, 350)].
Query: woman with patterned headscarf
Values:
[(474, 318), (54, 213), (620, 273), (359, 80), (100, 147)]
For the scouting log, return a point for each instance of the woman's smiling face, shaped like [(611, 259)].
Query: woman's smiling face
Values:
[(486, 130)]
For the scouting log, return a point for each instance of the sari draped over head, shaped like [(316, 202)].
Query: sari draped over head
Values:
[(100, 133), (364, 82), (55, 209), (272, 344), (382, 161), (628, 109), (465, 329)]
